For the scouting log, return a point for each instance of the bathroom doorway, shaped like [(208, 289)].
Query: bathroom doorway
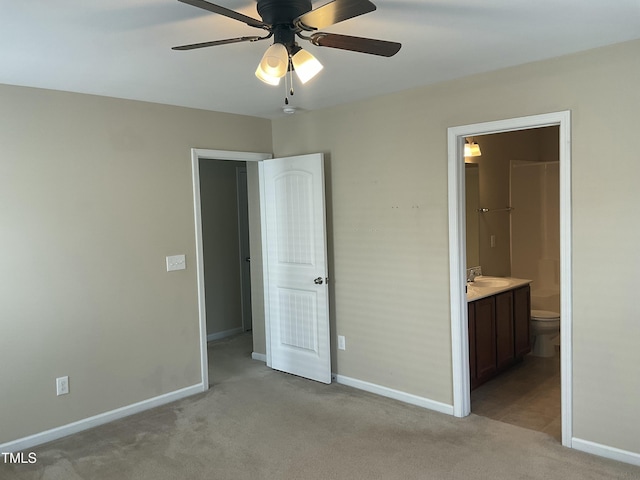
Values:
[(512, 230), (457, 230)]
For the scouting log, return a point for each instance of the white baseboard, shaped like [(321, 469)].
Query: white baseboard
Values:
[(259, 356), (395, 394), (606, 451), (224, 334), (86, 423)]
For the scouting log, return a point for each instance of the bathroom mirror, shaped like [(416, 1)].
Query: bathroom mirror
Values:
[(472, 196)]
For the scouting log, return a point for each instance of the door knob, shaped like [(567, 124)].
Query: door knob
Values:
[(318, 281)]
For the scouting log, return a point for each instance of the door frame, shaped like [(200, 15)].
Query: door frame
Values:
[(198, 154), (457, 257)]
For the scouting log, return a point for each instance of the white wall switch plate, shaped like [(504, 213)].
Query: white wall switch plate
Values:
[(176, 262), (342, 343), (62, 385)]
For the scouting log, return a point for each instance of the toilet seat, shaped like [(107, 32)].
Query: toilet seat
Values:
[(544, 316)]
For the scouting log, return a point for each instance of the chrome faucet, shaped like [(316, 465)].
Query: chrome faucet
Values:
[(472, 273)]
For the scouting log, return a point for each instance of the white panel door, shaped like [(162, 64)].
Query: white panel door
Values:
[(296, 292)]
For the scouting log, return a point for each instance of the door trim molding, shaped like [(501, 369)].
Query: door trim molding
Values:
[(457, 261), (198, 154)]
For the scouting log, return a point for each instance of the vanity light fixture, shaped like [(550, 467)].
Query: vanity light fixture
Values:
[(471, 149)]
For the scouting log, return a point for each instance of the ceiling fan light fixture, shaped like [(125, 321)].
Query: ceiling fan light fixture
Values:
[(274, 64), (269, 80), (305, 65), (472, 149), (284, 20)]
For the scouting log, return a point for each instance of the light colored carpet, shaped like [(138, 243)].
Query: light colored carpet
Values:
[(256, 423)]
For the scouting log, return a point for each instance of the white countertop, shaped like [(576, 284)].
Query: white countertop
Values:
[(485, 286)]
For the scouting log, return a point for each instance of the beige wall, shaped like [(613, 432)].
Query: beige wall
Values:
[(219, 204), (387, 195), (94, 193)]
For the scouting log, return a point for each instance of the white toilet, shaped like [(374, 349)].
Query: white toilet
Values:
[(545, 330)]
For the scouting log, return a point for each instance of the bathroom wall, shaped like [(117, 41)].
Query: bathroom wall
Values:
[(498, 151), (472, 199)]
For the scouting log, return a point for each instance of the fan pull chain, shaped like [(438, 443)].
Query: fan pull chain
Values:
[(291, 78), (286, 97), (288, 85)]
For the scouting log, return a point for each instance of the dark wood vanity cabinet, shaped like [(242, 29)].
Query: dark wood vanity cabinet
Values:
[(498, 333), (472, 345), (505, 352), (485, 339), (522, 316)]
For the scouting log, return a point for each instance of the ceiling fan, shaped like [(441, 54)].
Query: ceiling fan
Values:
[(284, 20)]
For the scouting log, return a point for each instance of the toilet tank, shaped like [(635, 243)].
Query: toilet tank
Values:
[(545, 299)]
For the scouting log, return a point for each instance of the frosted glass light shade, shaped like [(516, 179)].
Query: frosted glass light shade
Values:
[(306, 65), (472, 150), (274, 64)]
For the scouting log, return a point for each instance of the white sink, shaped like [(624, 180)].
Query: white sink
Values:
[(493, 282)]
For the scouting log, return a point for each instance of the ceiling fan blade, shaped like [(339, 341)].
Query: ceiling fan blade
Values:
[(356, 44), (218, 42), (332, 13), (252, 22)]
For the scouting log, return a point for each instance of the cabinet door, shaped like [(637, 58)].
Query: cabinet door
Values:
[(485, 330), (521, 315), (473, 377), (504, 330)]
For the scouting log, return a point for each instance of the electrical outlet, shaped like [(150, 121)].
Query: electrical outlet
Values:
[(176, 262), (342, 342), (62, 385)]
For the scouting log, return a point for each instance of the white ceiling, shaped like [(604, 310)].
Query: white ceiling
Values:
[(122, 48)]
